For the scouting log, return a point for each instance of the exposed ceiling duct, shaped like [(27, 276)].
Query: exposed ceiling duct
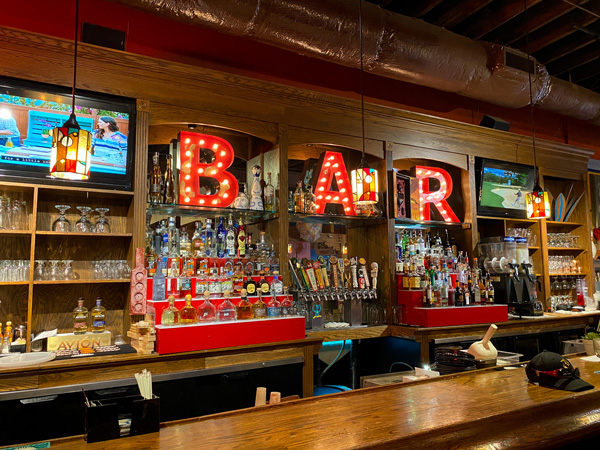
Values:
[(394, 46)]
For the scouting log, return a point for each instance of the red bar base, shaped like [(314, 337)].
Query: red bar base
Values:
[(189, 338), (454, 315)]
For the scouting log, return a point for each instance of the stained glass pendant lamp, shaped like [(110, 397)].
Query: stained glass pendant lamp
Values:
[(71, 154), (364, 179)]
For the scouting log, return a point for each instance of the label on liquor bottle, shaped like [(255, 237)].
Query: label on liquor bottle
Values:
[(99, 323), (264, 288), (260, 312), (278, 288), (273, 311), (155, 188), (251, 288), (80, 325), (406, 282)]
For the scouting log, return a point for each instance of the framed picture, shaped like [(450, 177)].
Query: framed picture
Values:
[(401, 191)]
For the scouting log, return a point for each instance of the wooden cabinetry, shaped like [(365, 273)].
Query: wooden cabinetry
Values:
[(47, 303)]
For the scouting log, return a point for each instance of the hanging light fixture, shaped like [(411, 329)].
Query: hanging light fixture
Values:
[(537, 201), (71, 152), (364, 179)]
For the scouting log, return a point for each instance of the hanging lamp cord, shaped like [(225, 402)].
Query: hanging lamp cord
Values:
[(535, 167), (75, 54), (362, 97)]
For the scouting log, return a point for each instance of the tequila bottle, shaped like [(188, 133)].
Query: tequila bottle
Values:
[(241, 240), (256, 202), (250, 285), (209, 239), (276, 284), (170, 316), (241, 202), (173, 239), (169, 184), (287, 305), (244, 308), (309, 200), (155, 187), (80, 318), (221, 244), (226, 311), (197, 242), (185, 245), (188, 314), (263, 285), (269, 194), (273, 307), (98, 317), (206, 310), (259, 309), (230, 238)]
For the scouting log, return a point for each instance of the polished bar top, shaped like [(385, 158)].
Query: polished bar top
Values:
[(489, 409)]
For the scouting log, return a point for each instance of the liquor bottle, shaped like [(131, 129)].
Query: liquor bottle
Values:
[(241, 201), (276, 284), (263, 285), (490, 291), (170, 315), (256, 201), (241, 240), (287, 305), (169, 195), (277, 190), (98, 317), (158, 238), (230, 238), (459, 294), (467, 296), (309, 200), (155, 182), (226, 310), (188, 314), (80, 318), (206, 310), (299, 198), (8, 333), (269, 194), (273, 307), (429, 296), (197, 242), (259, 309), (244, 308), (291, 200), (173, 239), (221, 244), (209, 240), (250, 285), (185, 245)]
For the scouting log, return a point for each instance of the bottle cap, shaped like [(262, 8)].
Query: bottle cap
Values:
[(244, 292)]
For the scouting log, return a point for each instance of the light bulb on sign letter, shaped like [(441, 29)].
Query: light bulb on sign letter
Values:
[(191, 165)]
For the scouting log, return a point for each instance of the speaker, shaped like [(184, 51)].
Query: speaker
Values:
[(102, 36), (494, 122)]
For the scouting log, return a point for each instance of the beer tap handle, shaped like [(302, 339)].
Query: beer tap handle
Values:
[(353, 271), (374, 270), (364, 274)]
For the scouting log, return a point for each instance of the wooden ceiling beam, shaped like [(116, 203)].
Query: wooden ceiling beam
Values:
[(535, 18), (585, 72), (575, 59), (450, 14), (491, 17), (563, 47), (557, 29), (415, 8)]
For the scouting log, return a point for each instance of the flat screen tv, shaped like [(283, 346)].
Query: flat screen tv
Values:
[(28, 113), (501, 188)]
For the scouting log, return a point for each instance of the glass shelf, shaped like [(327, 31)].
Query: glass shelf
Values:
[(351, 221), (249, 216), (422, 224)]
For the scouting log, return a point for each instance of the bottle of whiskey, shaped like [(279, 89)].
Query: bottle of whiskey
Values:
[(241, 240), (244, 308), (155, 194), (226, 310), (259, 309), (273, 307), (169, 196), (206, 310), (80, 318), (490, 291), (299, 198), (98, 317), (459, 294), (269, 194), (188, 314), (170, 315)]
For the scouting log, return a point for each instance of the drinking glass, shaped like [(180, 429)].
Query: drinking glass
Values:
[(83, 225), (62, 224), (54, 271), (38, 273), (68, 273), (102, 225)]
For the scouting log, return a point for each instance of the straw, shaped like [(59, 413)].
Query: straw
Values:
[(144, 381)]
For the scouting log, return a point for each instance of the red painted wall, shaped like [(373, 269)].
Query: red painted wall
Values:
[(153, 36)]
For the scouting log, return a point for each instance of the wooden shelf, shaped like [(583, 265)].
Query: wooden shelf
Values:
[(340, 334), (411, 223), (78, 234), (566, 249), (582, 274), (15, 232), (92, 281), (555, 224), (13, 283), (508, 219), (84, 192), (533, 248)]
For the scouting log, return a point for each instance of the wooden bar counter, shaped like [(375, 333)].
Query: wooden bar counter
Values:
[(481, 409)]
